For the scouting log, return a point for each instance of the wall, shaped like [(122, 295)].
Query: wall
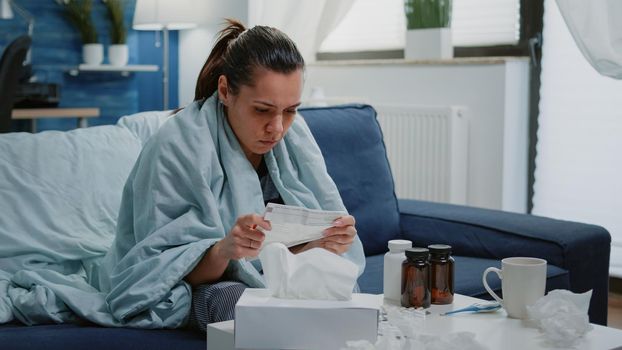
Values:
[(149, 85), (579, 158), (199, 42), (494, 90), (196, 44), (57, 48)]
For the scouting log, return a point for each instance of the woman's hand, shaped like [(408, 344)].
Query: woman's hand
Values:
[(244, 240), (337, 239)]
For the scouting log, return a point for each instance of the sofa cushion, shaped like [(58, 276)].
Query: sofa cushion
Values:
[(144, 124), (61, 193), (467, 276), (351, 142), (68, 336)]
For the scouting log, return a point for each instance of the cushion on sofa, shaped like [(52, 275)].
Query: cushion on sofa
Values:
[(467, 276), (144, 124), (358, 164), (54, 176), (61, 193)]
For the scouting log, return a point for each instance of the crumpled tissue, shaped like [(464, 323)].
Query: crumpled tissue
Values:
[(562, 316), (313, 274), (398, 330)]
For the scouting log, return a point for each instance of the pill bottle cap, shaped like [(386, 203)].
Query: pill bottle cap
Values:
[(417, 253), (399, 245)]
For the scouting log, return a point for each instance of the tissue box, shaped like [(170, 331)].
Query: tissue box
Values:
[(220, 335), (265, 322)]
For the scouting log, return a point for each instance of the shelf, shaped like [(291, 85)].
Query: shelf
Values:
[(124, 70), (401, 61)]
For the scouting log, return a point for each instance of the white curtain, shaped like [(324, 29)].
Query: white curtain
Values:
[(579, 150), (596, 26), (307, 22)]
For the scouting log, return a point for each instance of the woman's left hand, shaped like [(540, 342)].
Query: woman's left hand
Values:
[(337, 239)]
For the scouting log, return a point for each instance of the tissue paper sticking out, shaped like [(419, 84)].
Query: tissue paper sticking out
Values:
[(313, 274), (562, 316)]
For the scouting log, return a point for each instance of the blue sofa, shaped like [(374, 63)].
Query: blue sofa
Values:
[(351, 141)]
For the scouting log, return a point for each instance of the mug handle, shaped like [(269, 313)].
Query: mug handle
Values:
[(500, 274)]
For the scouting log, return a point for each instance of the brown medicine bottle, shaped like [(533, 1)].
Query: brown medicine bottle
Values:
[(416, 278), (441, 274)]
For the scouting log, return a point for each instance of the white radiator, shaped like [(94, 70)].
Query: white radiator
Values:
[(427, 148)]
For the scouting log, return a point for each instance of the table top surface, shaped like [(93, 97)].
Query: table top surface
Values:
[(30, 113), (497, 331), (494, 330)]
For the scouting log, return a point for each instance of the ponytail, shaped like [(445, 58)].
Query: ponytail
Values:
[(207, 82), (238, 52)]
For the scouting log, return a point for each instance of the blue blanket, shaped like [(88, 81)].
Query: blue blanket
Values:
[(184, 193)]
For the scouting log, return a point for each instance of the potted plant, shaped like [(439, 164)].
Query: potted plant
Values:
[(78, 12), (118, 50), (429, 34)]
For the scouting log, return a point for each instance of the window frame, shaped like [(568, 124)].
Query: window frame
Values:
[(530, 26)]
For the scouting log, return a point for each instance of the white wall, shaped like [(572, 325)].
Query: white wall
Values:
[(516, 137), (495, 91), (579, 151), (196, 44)]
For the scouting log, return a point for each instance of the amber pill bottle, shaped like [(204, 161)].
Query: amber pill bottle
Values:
[(441, 274), (416, 278)]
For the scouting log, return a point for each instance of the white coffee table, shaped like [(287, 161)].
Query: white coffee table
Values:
[(495, 330)]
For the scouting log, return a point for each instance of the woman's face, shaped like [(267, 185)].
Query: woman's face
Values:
[(261, 114)]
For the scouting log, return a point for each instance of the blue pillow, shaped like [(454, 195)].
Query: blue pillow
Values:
[(351, 142)]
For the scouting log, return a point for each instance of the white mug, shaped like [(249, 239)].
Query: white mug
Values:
[(523, 282)]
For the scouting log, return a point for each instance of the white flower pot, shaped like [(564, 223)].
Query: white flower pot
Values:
[(430, 43), (118, 54), (93, 54)]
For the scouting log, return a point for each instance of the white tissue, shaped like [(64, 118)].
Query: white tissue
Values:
[(393, 340), (313, 274), (399, 330), (562, 316)]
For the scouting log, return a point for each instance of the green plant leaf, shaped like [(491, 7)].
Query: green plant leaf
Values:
[(118, 31), (78, 13), (422, 14)]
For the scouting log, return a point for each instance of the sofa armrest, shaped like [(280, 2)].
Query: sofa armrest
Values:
[(582, 249)]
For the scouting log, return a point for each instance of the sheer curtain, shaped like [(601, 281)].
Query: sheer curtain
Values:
[(579, 151), (307, 22), (597, 29)]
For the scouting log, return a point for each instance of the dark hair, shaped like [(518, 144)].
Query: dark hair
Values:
[(239, 51)]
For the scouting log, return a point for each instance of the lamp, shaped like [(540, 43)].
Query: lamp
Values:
[(166, 15), (6, 12)]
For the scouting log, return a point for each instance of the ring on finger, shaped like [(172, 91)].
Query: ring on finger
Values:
[(250, 243)]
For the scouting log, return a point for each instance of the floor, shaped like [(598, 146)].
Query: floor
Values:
[(614, 316)]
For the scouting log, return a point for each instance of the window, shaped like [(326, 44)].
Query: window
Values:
[(485, 22), (374, 25), (370, 25)]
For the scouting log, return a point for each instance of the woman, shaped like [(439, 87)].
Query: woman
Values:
[(191, 206)]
